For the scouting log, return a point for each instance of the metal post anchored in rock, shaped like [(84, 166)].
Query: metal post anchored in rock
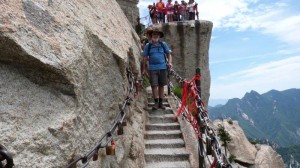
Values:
[(5, 155), (198, 80)]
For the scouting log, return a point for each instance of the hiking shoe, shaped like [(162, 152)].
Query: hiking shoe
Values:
[(155, 107), (161, 106)]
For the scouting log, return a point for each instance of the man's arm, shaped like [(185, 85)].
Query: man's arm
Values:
[(168, 54), (170, 60), (145, 60)]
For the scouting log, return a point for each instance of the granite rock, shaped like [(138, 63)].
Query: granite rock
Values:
[(63, 77)]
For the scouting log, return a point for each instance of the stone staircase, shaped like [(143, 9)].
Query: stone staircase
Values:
[(164, 144)]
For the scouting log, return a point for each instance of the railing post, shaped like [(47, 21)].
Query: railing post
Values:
[(198, 81), (169, 80)]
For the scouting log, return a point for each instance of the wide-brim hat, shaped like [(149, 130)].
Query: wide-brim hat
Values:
[(161, 34), (148, 31)]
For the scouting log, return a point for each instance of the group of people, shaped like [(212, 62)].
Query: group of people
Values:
[(162, 13), (155, 63)]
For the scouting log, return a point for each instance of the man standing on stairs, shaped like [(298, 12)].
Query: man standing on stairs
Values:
[(157, 55)]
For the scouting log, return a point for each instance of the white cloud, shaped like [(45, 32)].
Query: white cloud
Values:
[(283, 52), (290, 51), (144, 3), (213, 37), (272, 19), (287, 29), (144, 11), (234, 59), (278, 75), (218, 10)]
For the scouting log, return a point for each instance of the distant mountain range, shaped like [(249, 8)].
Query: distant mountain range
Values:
[(290, 155), (273, 116), (217, 102)]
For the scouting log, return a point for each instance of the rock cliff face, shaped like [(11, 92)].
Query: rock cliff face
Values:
[(189, 42), (62, 76), (130, 9), (246, 153), (267, 157)]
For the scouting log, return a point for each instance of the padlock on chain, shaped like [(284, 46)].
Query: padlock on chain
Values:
[(208, 146), (124, 123), (95, 156), (111, 150), (120, 130)]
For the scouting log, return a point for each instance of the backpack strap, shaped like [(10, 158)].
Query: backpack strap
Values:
[(164, 47), (149, 48), (161, 43)]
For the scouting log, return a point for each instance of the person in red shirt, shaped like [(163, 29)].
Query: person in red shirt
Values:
[(159, 8), (170, 8)]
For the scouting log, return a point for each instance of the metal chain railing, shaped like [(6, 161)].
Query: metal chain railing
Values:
[(208, 141), (5, 155), (107, 141)]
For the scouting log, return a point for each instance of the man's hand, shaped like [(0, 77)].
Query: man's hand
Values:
[(170, 66), (145, 72)]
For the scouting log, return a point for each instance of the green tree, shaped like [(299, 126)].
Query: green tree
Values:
[(231, 158), (224, 137)]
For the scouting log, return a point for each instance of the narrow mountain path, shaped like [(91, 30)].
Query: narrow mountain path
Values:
[(164, 144)]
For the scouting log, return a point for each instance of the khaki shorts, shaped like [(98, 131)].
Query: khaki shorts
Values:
[(158, 77)]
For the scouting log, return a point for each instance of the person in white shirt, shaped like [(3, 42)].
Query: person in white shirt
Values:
[(191, 8)]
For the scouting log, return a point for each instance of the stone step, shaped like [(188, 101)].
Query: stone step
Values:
[(160, 111), (174, 134), (151, 104), (163, 126), (151, 100), (149, 93), (174, 164), (166, 118), (167, 154), (161, 115), (149, 90), (164, 143)]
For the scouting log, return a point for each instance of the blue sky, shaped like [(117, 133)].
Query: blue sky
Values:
[(255, 45)]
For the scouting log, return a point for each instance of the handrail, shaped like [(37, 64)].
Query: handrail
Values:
[(200, 123), (107, 138)]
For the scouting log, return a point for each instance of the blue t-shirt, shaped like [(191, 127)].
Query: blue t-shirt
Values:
[(156, 55)]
